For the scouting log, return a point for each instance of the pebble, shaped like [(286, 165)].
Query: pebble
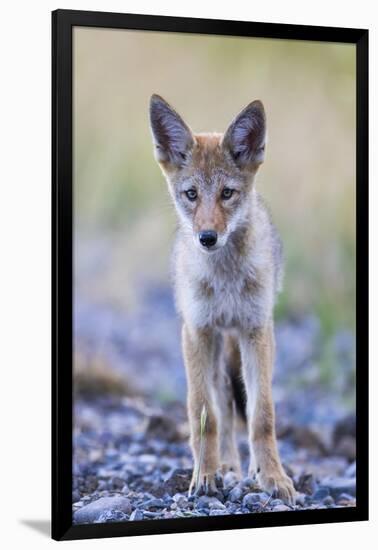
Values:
[(136, 515), (345, 496), (111, 516), (258, 507), (218, 512), (346, 500), (300, 499), (248, 483), (235, 495), (155, 503), (207, 502), (180, 500), (118, 483), (305, 483), (320, 493), (79, 504), (102, 485), (250, 500), (178, 480), (339, 485), (230, 479), (149, 514), (93, 511), (216, 505), (75, 496)]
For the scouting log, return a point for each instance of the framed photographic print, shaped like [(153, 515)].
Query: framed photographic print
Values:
[(210, 274)]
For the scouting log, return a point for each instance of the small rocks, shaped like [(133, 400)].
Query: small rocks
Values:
[(162, 427), (320, 494), (328, 501), (180, 500), (137, 451), (218, 512), (230, 479), (79, 504), (251, 499), (300, 499), (136, 515), (340, 485), (111, 516), (75, 496), (149, 514), (235, 495), (178, 481), (105, 507), (118, 483), (305, 483), (102, 485), (345, 500), (209, 502), (154, 503), (248, 483), (217, 505)]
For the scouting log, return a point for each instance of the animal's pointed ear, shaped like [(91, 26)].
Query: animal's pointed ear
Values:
[(172, 138), (246, 136)]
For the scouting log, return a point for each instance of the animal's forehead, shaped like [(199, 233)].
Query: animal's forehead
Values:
[(209, 161), (208, 151), (210, 179)]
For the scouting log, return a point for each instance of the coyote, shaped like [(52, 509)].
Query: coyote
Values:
[(227, 271)]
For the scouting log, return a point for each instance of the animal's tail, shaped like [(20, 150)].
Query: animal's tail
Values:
[(238, 390), (233, 363)]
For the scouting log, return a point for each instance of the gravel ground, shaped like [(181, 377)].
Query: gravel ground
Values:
[(131, 455), (132, 462)]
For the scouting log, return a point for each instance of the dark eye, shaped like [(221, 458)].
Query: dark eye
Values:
[(227, 193), (191, 194)]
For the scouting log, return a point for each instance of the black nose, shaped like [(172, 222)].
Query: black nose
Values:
[(208, 238)]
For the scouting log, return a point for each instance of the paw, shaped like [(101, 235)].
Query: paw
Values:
[(277, 484), (204, 483)]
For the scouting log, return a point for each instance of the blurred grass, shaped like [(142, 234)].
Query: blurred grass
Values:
[(308, 90)]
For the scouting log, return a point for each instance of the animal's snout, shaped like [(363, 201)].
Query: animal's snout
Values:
[(208, 238)]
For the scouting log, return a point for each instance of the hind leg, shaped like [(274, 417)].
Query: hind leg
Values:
[(229, 454)]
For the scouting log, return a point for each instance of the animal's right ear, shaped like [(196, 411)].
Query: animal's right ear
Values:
[(172, 138)]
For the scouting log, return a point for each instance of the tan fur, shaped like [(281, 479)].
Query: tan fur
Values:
[(225, 295), (265, 462)]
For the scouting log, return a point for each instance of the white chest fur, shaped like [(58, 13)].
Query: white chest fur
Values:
[(223, 290)]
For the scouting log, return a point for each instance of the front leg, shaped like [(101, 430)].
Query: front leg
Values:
[(199, 348), (257, 348)]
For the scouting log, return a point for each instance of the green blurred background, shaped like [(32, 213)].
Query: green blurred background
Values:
[(124, 222)]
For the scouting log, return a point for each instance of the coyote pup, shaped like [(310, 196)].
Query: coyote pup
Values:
[(228, 267)]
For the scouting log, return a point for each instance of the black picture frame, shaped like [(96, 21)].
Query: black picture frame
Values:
[(63, 22)]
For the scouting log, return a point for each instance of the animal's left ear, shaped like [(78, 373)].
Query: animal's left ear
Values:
[(246, 136)]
